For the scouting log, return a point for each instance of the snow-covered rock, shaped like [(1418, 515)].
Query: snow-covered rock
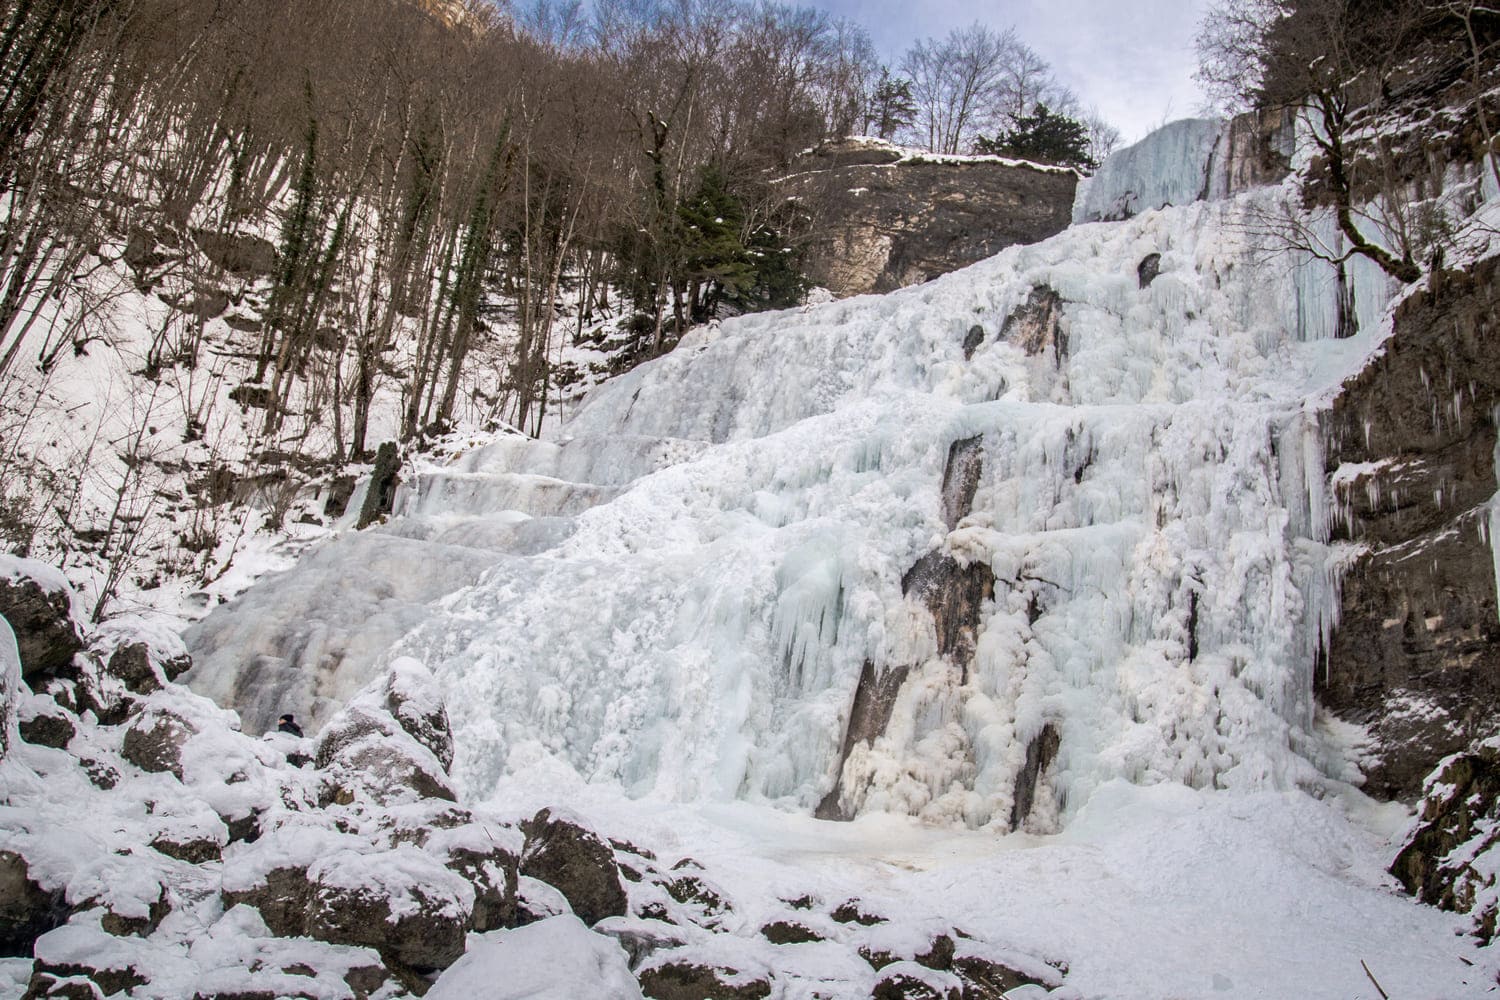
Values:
[(555, 959), (563, 853), (44, 611)]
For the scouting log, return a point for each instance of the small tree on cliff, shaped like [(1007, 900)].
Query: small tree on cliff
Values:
[(891, 106), (1042, 136)]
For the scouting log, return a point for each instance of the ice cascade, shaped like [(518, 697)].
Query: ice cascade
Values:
[(966, 551)]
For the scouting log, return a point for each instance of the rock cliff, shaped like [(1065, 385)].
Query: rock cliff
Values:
[(1416, 655), (887, 218)]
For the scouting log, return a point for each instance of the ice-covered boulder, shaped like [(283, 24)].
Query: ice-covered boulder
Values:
[(555, 959), (402, 902), (143, 659), (367, 756), (42, 721), (488, 857), (391, 744), (271, 875), (412, 695), (44, 612), (675, 979), (155, 740), (910, 981), (563, 853)]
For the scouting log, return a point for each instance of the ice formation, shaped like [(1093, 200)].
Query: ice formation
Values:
[(681, 589)]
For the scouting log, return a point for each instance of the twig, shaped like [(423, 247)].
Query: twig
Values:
[(1384, 995)]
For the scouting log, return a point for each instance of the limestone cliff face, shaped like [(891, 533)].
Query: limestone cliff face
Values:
[(1416, 656), (886, 219)]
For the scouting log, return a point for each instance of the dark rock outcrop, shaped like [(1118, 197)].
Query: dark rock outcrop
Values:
[(961, 479), (27, 911), (884, 222), (240, 254), (1040, 753), (688, 981), (576, 862), (43, 623), (874, 698), (1036, 326), (381, 494), (954, 594), (1443, 862), (1416, 654)]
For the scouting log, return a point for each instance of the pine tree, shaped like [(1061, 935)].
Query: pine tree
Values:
[(1044, 137), (891, 106)]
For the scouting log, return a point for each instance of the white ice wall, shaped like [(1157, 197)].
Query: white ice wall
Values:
[(681, 588)]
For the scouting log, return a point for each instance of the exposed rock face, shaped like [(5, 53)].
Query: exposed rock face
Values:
[(577, 863), (26, 910), (1036, 327), (43, 623), (886, 222), (686, 981), (1416, 655), (953, 593), (1039, 754), (1444, 861), (381, 494), (961, 479), (874, 699)]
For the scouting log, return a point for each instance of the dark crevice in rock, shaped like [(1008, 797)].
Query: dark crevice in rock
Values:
[(972, 341), (1192, 626), (1148, 269), (961, 479)]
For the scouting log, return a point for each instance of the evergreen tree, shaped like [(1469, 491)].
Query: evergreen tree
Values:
[(891, 106), (1045, 137)]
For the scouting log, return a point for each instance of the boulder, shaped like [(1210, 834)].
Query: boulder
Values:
[(45, 723), (27, 911), (367, 755), (87, 952), (683, 980), (491, 866), (910, 981), (789, 932), (413, 698), (39, 605), (1446, 859), (384, 478), (155, 740), (240, 254), (280, 896), (577, 862), (402, 903), (556, 959), (143, 669)]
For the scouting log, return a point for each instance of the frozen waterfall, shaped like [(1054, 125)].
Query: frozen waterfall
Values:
[(965, 551)]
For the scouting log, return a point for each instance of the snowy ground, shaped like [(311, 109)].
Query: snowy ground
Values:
[(1159, 893)]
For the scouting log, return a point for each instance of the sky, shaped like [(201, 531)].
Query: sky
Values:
[(1132, 58)]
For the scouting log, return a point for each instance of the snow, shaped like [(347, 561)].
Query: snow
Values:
[(1150, 892), (659, 615), (554, 959)]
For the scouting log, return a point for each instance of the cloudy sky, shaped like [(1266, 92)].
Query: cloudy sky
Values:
[(1133, 58)]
